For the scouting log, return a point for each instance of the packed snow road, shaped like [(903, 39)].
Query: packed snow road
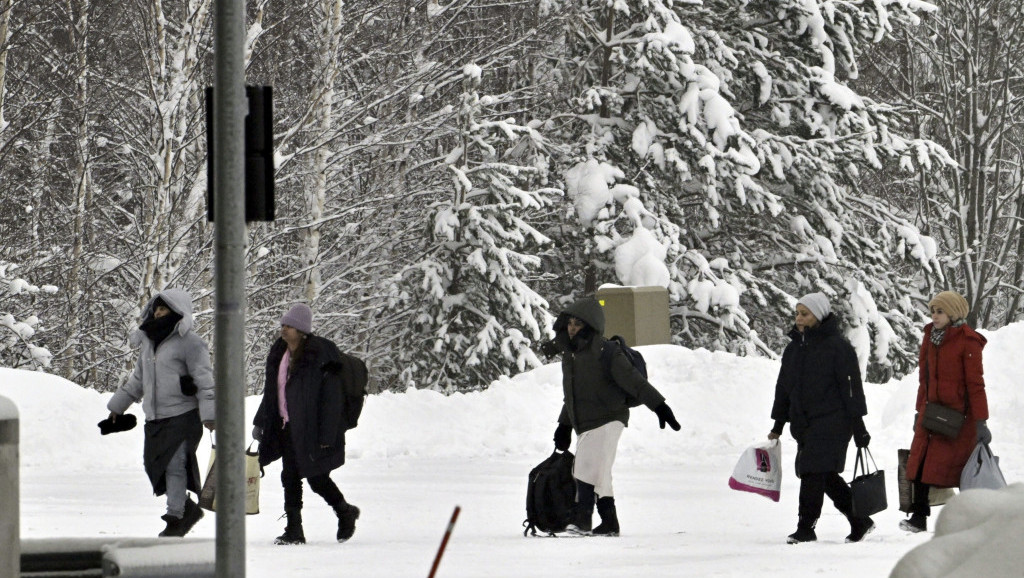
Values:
[(676, 521)]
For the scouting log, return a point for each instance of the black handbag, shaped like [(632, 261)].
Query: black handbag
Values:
[(942, 420), (868, 488)]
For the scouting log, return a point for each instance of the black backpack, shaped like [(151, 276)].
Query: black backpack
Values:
[(632, 355), (550, 494), (354, 378)]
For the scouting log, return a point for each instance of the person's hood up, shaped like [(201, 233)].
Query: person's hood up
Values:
[(177, 300), (588, 310)]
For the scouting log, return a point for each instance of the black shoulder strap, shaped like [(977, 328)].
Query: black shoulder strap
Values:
[(608, 351)]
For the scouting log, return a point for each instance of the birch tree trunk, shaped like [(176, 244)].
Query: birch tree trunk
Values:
[(173, 67), (78, 31), (6, 8), (329, 40)]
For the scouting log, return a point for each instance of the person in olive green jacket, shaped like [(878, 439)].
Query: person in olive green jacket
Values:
[(598, 382)]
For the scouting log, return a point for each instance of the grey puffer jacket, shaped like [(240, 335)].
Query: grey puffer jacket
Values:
[(156, 380), (595, 393)]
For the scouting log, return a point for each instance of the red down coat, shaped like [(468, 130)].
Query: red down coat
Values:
[(950, 374)]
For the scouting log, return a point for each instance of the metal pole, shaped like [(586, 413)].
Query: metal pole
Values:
[(230, 108), (10, 539)]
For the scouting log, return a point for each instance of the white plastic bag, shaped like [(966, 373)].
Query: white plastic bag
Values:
[(982, 470), (759, 470)]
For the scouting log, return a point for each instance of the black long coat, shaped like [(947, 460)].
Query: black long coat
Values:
[(315, 399), (819, 391)]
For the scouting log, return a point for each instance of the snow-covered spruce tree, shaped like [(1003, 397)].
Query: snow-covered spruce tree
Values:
[(471, 317), (733, 126)]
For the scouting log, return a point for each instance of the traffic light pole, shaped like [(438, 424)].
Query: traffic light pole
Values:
[(230, 108)]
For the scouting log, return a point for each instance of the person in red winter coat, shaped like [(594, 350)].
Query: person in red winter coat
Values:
[(950, 374)]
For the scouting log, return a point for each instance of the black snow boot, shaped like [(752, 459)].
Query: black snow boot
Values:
[(804, 531), (347, 516), (915, 523), (859, 527), (581, 518), (609, 525), (293, 530), (172, 526), (178, 527)]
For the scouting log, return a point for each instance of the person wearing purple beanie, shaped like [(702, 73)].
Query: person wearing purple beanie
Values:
[(299, 421)]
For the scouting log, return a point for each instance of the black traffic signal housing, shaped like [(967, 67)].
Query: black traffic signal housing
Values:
[(259, 154)]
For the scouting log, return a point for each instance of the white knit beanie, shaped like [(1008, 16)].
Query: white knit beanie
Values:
[(817, 304)]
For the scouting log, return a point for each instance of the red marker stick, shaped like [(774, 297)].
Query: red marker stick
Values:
[(444, 541)]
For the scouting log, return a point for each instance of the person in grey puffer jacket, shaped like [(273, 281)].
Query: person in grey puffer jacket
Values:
[(597, 382), (173, 380)]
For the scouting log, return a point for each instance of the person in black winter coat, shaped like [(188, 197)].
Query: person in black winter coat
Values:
[(597, 380), (299, 421), (819, 392)]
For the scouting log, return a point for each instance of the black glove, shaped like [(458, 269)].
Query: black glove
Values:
[(984, 435), (123, 422), (549, 349), (665, 416), (188, 385), (861, 437), (563, 437), (777, 428), (257, 433)]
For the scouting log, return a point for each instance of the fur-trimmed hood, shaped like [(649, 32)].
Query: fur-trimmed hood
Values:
[(179, 301)]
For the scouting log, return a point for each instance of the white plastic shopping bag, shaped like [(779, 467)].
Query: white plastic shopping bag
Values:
[(759, 470), (982, 470)]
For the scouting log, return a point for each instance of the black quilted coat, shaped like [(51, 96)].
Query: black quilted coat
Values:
[(819, 392)]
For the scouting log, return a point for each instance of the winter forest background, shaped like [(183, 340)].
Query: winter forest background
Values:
[(450, 176)]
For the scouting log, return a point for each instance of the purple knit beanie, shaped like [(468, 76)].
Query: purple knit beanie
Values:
[(300, 317)]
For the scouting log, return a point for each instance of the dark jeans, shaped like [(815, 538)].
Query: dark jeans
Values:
[(292, 482), (919, 499), (814, 487)]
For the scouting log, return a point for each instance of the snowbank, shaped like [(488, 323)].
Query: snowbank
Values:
[(722, 401)]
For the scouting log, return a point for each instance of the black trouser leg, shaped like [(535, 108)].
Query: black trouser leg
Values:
[(839, 492), (812, 495), (290, 479), (327, 489), (919, 504)]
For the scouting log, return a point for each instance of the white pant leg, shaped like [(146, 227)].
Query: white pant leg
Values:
[(595, 455), (176, 483)]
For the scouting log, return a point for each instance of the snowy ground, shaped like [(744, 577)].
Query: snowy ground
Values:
[(417, 455)]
